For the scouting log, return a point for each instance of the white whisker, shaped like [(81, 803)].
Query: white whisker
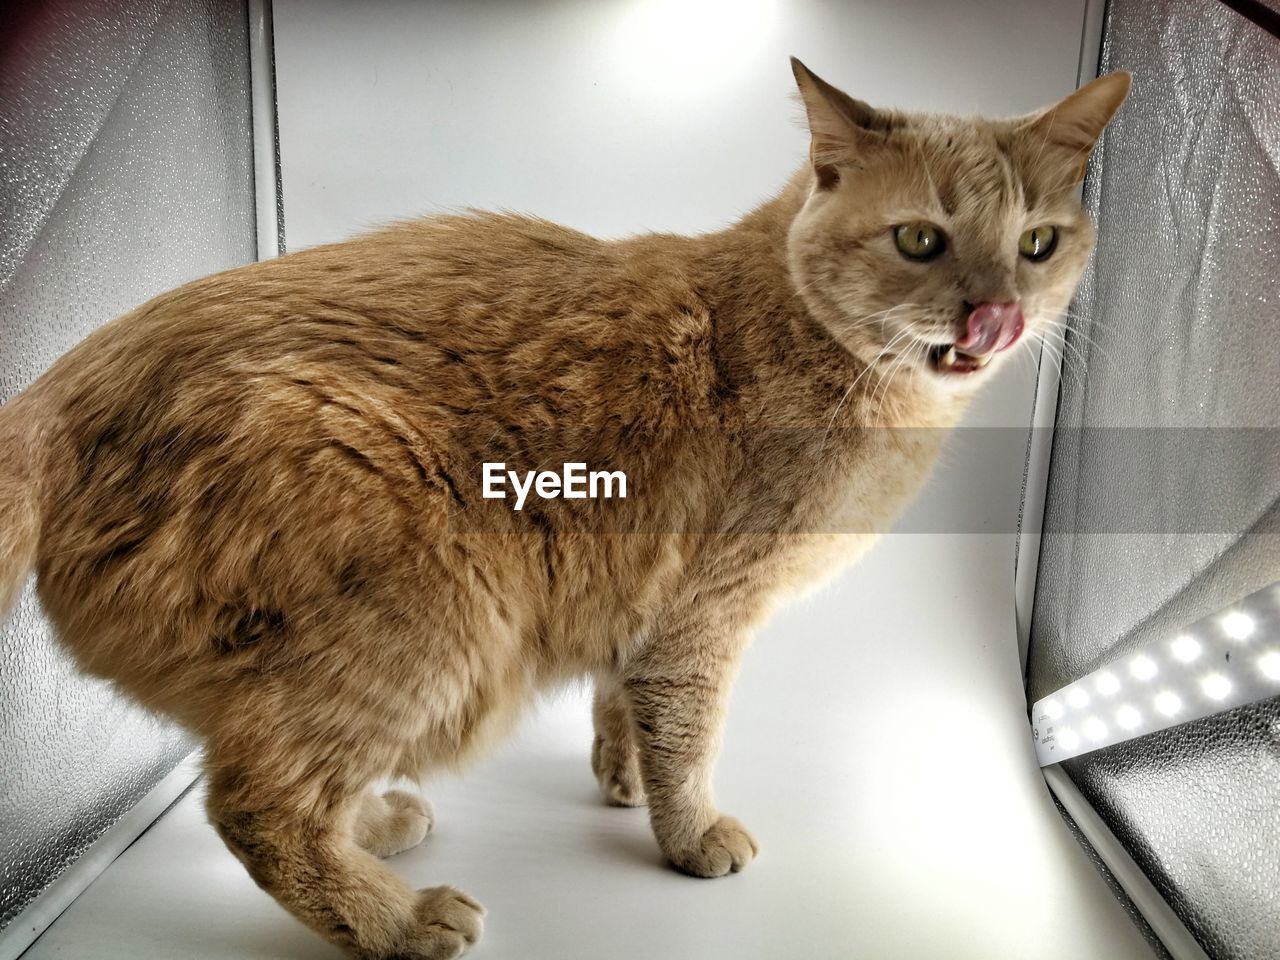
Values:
[(856, 380)]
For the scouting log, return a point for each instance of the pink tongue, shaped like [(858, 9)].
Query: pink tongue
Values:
[(992, 327)]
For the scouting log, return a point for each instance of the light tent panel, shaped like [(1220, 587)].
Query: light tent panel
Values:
[(127, 170), (1164, 484)]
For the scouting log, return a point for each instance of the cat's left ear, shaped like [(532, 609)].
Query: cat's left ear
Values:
[(841, 128), (1072, 126)]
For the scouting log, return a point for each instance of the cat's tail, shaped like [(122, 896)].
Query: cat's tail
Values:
[(19, 500)]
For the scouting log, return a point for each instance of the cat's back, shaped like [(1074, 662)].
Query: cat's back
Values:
[(310, 402), (441, 304)]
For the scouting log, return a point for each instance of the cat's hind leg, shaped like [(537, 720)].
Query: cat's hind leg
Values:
[(614, 757), (301, 849), (391, 822)]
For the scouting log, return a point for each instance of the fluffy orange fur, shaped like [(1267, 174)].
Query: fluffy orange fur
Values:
[(254, 502)]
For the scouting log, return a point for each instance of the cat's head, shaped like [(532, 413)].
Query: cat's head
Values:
[(936, 244)]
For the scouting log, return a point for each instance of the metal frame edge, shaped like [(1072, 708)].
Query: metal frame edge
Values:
[(24, 929), (1045, 412), (266, 162), (1166, 925)]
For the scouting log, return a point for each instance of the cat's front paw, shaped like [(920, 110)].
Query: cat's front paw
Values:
[(617, 770), (447, 923), (726, 847)]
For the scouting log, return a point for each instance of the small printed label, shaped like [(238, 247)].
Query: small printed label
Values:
[(573, 482)]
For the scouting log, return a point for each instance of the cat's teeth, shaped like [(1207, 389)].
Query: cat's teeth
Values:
[(948, 359), (982, 361)]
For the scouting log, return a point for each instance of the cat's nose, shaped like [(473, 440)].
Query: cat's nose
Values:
[(991, 327)]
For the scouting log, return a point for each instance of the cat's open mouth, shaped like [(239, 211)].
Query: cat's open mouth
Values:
[(946, 358), (989, 328)]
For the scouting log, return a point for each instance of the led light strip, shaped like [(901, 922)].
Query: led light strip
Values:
[(1226, 660)]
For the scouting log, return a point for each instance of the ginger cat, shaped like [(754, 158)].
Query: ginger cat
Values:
[(255, 503)]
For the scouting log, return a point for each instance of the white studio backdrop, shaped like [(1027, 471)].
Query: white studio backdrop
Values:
[(878, 743)]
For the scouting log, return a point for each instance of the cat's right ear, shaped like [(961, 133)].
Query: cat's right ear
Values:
[(840, 127)]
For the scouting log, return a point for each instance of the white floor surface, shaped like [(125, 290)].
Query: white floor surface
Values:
[(884, 764)]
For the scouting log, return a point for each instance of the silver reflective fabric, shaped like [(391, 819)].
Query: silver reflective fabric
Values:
[(1178, 327), (125, 170)]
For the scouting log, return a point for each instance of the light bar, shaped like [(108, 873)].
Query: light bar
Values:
[(1226, 660)]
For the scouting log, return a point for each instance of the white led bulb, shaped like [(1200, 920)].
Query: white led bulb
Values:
[(1269, 664), (1237, 625), (1128, 717), (1185, 648), (1143, 668), (1215, 685), (1095, 729)]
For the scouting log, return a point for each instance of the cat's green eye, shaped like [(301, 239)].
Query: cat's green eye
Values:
[(1038, 242), (919, 241)]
